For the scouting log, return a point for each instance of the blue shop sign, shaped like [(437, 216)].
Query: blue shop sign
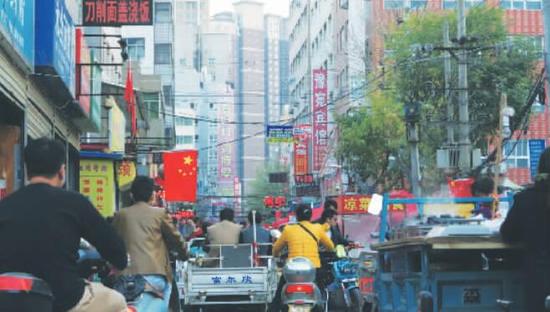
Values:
[(55, 40), (17, 26)]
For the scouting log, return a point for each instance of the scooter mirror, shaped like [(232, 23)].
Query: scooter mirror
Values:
[(547, 303)]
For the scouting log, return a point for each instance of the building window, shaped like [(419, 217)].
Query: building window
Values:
[(521, 5), (136, 48), (191, 12), (184, 121), (211, 61), (192, 105), (185, 139), (452, 4), (163, 53), (152, 105), (163, 12), (405, 4), (516, 154), (211, 105)]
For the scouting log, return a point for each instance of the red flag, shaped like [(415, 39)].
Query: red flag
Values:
[(180, 176), (131, 100)]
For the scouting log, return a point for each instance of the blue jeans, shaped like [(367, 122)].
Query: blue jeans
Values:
[(152, 303)]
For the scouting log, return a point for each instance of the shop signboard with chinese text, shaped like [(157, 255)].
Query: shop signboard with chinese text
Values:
[(301, 149), (354, 204), (306, 179), (117, 12), (126, 173), (279, 134), (320, 117), (55, 40), (226, 153), (17, 27), (97, 182)]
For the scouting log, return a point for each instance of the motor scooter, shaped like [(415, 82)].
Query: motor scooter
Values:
[(300, 293), (342, 285)]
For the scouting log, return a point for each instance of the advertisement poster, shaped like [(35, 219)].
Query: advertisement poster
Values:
[(320, 118), (97, 182)]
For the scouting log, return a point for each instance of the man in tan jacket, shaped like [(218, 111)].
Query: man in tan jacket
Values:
[(149, 235), (225, 232)]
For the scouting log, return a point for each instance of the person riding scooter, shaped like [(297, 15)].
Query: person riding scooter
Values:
[(302, 240), (40, 229)]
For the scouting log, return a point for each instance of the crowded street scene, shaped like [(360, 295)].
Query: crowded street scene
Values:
[(274, 155)]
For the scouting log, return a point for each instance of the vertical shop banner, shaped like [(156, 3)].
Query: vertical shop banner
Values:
[(320, 117), (17, 26), (117, 127), (180, 176), (97, 182), (226, 152), (301, 149)]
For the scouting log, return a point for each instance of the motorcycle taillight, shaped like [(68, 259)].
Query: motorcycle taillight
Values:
[(131, 309), (299, 288), (13, 283)]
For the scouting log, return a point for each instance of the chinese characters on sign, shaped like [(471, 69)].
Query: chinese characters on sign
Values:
[(17, 27), (117, 12), (320, 118), (126, 173), (97, 183), (354, 204), (229, 280), (280, 134), (301, 149)]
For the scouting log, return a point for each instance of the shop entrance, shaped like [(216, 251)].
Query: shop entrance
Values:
[(11, 142)]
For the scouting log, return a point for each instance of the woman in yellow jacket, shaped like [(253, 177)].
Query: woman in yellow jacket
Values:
[(302, 240)]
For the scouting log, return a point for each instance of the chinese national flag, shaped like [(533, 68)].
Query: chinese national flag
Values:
[(131, 100), (180, 176)]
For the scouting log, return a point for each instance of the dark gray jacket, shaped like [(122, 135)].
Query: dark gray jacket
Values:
[(262, 236)]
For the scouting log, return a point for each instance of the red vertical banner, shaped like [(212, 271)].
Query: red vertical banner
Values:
[(301, 149), (320, 117), (180, 176)]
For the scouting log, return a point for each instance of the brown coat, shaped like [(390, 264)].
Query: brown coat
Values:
[(149, 234), (224, 233)]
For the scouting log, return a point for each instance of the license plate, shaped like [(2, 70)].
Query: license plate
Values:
[(471, 296), (299, 308)]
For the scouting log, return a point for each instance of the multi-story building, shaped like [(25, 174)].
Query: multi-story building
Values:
[(276, 75), (250, 92)]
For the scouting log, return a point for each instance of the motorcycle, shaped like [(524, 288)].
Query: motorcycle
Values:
[(24, 292), (342, 284), (300, 293)]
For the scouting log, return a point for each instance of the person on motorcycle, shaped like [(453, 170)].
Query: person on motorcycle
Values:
[(149, 235), (41, 226), (302, 240)]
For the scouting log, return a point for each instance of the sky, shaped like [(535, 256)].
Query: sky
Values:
[(279, 7)]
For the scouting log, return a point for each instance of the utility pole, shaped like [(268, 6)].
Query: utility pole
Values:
[(500, 139), (546, 11), (448, 93), (412, 117), (463, 112)]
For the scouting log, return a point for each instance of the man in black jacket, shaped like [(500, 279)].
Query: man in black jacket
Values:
[(40, 229)]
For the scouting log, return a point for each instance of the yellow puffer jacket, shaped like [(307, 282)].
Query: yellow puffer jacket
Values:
[(301, 244)]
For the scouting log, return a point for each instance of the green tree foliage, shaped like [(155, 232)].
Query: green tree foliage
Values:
[(496, 63), (368, 137)]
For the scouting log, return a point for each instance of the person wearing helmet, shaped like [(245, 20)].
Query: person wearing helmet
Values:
[(302, 240)]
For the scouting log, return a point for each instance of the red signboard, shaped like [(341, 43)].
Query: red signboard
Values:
[(320, 117), (83, 75), (117, 12), (353, 204), (301, 149), (180, 172)]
